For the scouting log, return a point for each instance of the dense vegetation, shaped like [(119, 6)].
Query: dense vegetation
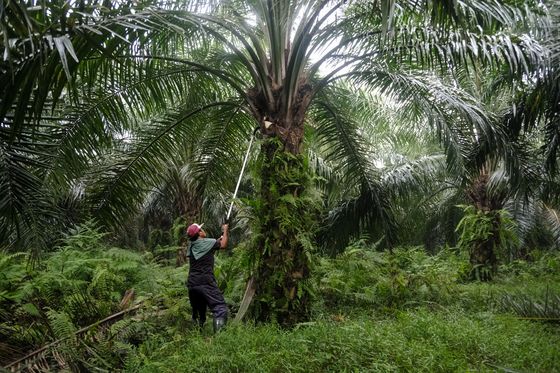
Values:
[(400, 310), (400, 208)]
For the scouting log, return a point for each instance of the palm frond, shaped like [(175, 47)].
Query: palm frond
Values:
[(101, 119), (453, 37), (425, 99), (25, 209), (128, 175), (341, 142), (415, 176), (552, 217), (530, 307)]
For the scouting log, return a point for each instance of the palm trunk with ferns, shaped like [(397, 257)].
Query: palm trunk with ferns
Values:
[(283, 263), (282, 259), (483, 251)]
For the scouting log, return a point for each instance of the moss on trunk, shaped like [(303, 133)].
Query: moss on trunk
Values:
[(285, 224)]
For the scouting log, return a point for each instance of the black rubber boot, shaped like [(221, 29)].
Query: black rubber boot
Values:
[(219, 323)]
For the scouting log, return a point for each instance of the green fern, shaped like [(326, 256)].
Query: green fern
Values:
[(389, 280), (61, 324), (84, 237), (79, 284), (477, 225)]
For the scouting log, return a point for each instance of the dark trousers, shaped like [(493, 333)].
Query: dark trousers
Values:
[(207, 295), (198, 305)]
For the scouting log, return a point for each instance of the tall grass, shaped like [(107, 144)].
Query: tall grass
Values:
[(419, 340)]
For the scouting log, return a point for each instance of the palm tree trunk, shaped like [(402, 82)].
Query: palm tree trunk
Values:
[(483, 258), (285, 220), (285, 215), (190, 208)]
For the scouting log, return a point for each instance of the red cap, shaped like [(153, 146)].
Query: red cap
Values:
[(193, 229)]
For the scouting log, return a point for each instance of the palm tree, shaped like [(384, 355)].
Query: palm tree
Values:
[(497, 171), (159, 78)]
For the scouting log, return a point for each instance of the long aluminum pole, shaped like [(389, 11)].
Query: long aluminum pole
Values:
[(240, 176)]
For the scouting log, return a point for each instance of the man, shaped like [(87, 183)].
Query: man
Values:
[(202, 285)]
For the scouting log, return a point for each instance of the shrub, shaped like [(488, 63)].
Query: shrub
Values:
[(405, 277)]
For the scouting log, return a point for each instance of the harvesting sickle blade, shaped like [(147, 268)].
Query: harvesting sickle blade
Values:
[(247, 299)]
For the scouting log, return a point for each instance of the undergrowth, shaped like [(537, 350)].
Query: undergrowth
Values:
[(419, 340), (399, 311), (80, 283), (403, 310)]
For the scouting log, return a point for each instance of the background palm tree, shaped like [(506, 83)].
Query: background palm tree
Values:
[(148, 81)]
